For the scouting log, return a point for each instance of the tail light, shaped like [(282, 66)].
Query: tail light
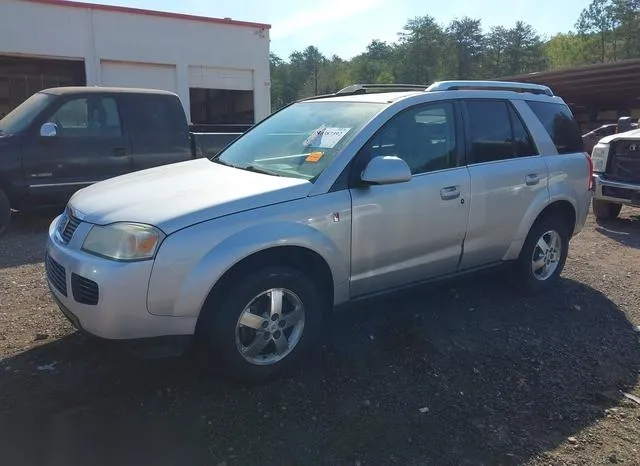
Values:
[(590, 183)]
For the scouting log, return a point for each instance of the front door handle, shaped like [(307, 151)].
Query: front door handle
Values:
[(450, 192), (532, 179), (120, 152)]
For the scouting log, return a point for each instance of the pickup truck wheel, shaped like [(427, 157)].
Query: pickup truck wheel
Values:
[(5, 212), (605, 210), (543, 254), (265, 324)]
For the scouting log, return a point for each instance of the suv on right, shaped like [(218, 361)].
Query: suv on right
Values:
[(616, 166)]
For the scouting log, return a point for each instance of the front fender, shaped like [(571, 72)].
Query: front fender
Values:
[(191, 261), (201, 279)]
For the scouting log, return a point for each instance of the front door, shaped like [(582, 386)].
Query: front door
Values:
[(508, 179), (89, 146), (410, 232)]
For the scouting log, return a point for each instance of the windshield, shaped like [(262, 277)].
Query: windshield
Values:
[(22, 116), (301, 140)]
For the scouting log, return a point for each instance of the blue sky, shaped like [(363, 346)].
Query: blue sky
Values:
[(345, 27)]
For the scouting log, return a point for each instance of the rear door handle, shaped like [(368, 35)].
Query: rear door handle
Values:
[(120, 152), (450, 192), (532, 179)]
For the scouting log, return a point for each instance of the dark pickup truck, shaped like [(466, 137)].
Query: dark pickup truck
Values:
[(62, 139)]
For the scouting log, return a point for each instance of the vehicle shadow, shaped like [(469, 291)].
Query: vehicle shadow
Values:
[(625, 230), (24, 242), (455, 375)]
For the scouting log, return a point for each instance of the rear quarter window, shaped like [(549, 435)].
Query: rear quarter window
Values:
[(560, 124), (156, 114)]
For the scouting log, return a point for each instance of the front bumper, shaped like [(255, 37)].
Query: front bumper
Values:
[(616, 191), (105, 298)]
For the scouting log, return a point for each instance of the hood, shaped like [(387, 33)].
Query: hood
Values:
[(633, 134), (175, 196)]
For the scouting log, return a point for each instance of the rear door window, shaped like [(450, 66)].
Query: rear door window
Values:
[(496, 132), (560, 124)]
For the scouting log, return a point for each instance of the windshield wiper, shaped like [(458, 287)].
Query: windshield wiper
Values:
[(251, 168), (264, 171), (224, 162)]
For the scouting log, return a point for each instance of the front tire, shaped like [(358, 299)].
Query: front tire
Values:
[(263, 325), (605, 210), (5, 212), (543, 254)]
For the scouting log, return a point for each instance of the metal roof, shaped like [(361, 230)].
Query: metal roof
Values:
[(615, 83), (161, 14)]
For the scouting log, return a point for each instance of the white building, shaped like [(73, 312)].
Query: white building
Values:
[(218, 67)]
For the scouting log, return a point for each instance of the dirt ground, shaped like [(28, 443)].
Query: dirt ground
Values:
[(467, 373)]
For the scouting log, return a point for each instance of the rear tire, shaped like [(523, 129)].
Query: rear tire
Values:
[(543, 254), (262, 326), (606, 210), (5, 212)]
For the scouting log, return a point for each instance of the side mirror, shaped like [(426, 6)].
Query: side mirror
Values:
[(386, 170), (49, 130)]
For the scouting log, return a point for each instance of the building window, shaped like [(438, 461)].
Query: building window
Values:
[(221, 106), (21, 77)]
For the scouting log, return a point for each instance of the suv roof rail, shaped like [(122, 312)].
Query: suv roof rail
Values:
[(363, 88), (490, 85)]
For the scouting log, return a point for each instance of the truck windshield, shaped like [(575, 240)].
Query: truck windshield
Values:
[(301, 140), (21, 117)]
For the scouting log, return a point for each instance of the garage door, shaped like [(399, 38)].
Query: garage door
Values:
[(139, 75), (207, 77)]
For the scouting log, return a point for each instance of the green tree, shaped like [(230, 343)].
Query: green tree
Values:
[(466, 42), (494, 59), (606, 30), (420, 51), (597, 21), (570, 49), (524, 51)]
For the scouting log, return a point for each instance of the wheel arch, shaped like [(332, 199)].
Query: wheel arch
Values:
[(300, 258), (563, 208)]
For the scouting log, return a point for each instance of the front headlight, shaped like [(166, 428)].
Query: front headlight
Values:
[(599, 156), (123, 241)]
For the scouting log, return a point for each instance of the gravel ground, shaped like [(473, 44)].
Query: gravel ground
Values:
[(460, 374)]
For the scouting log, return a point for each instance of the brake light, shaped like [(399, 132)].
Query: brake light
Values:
[(590, 183)]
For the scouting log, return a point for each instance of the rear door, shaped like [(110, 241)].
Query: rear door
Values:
[(159, 130), (508, 178), (89, 146)]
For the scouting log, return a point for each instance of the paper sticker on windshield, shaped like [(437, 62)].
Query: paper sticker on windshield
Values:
[(326, 137), (313, 157)]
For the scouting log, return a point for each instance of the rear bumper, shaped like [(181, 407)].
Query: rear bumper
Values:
[(616, 191)]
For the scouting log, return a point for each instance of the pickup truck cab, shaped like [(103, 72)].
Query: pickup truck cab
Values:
[(62, 139), (330, 200), (616, 162)]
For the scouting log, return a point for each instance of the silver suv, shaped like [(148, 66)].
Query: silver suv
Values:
[(329, 200)]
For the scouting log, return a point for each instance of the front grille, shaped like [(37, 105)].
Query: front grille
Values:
[(56, 274), (67, 226), (624, 163), (85, 291)]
